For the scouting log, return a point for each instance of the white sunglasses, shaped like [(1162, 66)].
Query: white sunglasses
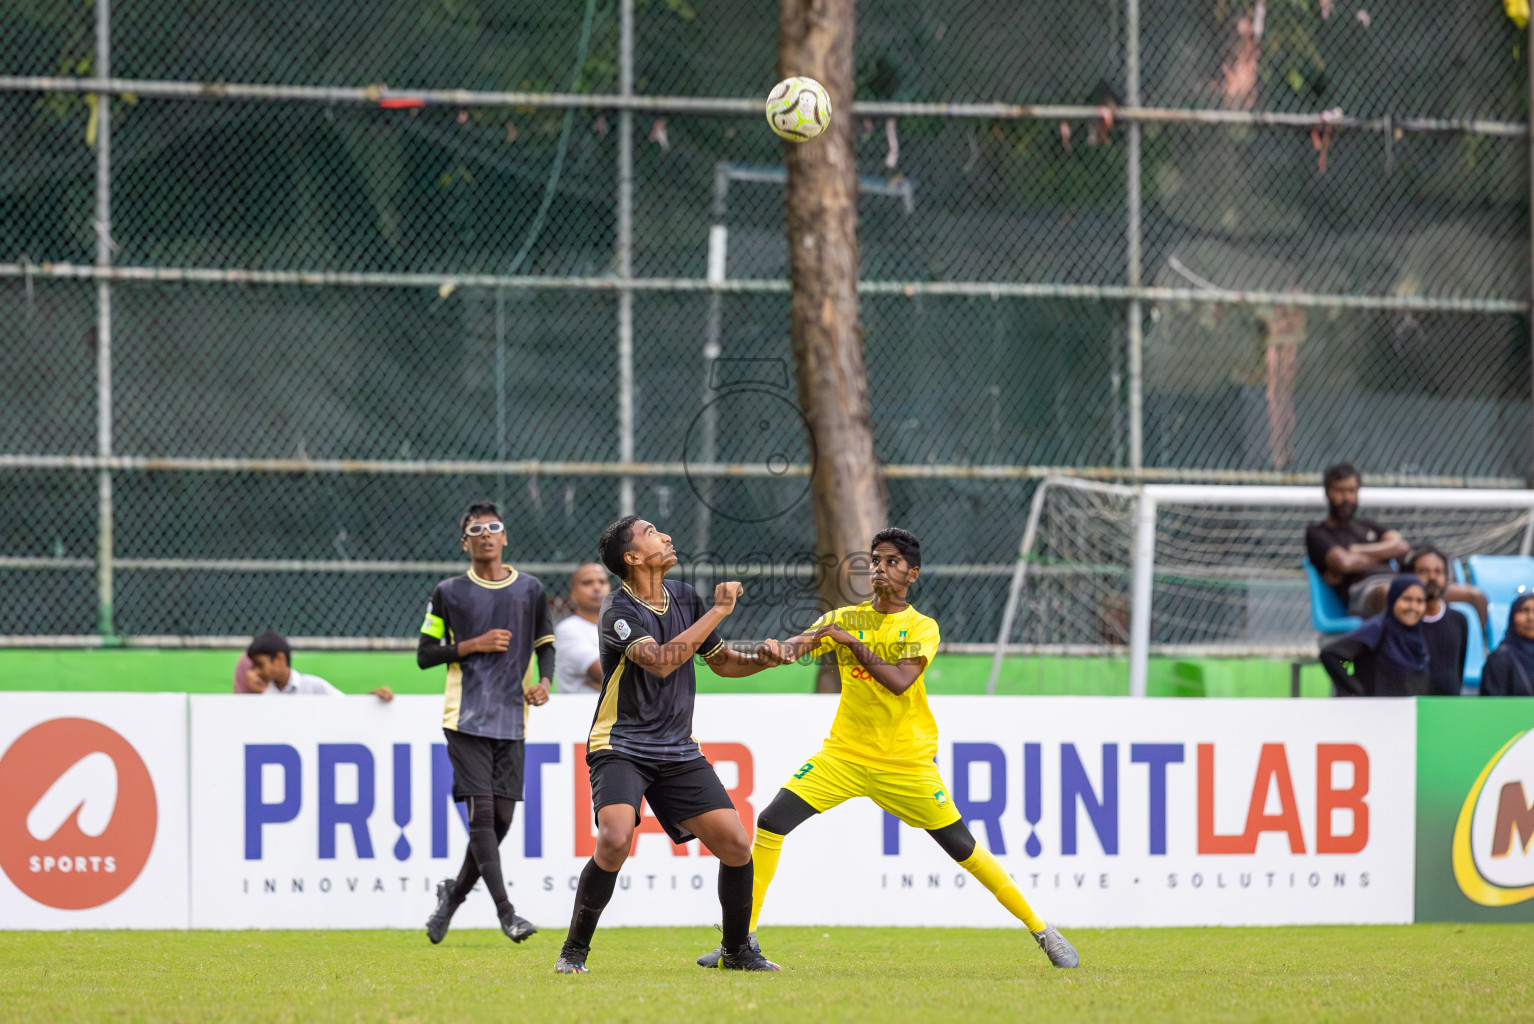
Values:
[(475, 529)]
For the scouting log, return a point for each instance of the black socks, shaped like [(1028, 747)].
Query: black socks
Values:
[(735, 903), (591, 898), (489, 821), (596, 889)]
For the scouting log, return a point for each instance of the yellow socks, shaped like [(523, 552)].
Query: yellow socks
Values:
[(769, 846), (764, 854), (984, 867)]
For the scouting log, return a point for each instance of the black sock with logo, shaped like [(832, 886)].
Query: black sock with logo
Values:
[(591, 897)]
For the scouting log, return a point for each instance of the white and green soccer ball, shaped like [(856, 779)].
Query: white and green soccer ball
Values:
[(798, 109)]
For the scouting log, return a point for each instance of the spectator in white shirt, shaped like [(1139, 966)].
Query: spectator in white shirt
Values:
[(577, 655), (271, 672)]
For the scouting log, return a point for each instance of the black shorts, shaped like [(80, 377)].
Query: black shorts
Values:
[(676, 790), (485, 767)]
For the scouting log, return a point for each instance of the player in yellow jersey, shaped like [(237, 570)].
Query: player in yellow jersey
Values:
[(884, 739)]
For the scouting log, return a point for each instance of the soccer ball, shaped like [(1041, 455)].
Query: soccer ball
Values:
[(798, 109)]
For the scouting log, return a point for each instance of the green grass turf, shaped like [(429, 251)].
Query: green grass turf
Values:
[(1419, 972)]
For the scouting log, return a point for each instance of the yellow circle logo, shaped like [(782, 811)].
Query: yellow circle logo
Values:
[(1493, 858)]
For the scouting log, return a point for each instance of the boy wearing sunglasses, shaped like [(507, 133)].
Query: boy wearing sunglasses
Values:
[(487, 626)]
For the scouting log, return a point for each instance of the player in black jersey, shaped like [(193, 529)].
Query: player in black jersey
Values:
[(641, 745), (486, 626)]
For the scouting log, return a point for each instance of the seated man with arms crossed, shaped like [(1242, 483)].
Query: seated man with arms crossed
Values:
[(1353, 554)]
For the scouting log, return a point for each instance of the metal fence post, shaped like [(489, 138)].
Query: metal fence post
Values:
[(104, 544), (1142, 567), (718, 261), (1133, 270), (625, 253)]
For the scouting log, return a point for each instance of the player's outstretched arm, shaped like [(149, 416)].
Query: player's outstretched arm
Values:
[(661, 660), (897, 678), (796, 647), (735, 664)]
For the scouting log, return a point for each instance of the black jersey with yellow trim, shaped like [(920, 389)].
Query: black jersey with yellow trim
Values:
[(640, 715), (484, 691)]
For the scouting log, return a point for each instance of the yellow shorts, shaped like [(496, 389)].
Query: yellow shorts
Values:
[(920, 799)]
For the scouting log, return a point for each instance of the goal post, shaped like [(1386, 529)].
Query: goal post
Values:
[(1206, 570)]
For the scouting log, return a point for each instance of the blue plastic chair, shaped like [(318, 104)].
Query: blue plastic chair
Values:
[(1475, 646), (1327, 614), (1501, 578)]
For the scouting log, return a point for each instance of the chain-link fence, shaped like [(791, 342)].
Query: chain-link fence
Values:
[(282, 287)]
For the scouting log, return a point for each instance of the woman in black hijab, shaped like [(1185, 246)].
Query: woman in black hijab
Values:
[(1509, 671), (1388, 652)]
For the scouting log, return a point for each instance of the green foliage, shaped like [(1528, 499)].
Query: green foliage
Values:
[(681, 8), (1083, 176), (1291, 51)]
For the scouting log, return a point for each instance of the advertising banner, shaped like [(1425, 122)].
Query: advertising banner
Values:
[(1112, 813), (93, 826), (1475, 817), (337, 813)]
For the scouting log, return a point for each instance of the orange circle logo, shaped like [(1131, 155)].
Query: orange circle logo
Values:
[(77, 813)]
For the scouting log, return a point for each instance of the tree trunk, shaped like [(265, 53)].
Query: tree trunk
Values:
[(815, 39)]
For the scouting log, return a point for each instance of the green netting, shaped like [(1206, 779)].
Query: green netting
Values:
[(336, 292)]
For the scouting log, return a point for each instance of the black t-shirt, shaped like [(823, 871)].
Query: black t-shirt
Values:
[(1503, 676), (640, 715), (1369, 677), (1448, 640), (484, 691), (1322, 537)]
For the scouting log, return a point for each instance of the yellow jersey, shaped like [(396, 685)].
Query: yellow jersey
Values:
[(874, 727)]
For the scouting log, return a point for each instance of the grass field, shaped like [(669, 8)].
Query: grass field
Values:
[(1420, 972)]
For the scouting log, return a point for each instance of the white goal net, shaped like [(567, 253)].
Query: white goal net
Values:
[(1208, 571)]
